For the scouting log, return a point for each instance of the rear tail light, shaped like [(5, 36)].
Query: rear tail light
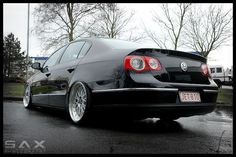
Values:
[(137, 63), (141, 63), (205, 70), (153, 63)]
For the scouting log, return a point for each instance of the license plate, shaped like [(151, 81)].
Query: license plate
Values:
[(189, 96)]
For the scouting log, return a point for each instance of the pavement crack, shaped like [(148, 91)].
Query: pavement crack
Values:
[(111, 149), (218, 149)]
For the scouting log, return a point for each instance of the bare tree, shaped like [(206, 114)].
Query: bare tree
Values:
[(58, 23), (208, 30), (111, 21), (172, 22), (137, 37)]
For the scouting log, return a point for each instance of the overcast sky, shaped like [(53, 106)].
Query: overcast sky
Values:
[(15, 21)]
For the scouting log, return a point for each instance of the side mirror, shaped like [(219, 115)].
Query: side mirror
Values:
[(36, 66)]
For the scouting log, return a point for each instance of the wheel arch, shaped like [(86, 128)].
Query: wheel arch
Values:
[(69, 91)]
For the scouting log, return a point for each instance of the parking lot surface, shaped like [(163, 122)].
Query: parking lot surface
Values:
[(50, 131)]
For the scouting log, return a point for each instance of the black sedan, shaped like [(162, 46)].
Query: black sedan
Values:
[(98, 74)]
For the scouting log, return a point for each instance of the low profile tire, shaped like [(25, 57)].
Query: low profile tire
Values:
[(79, 102), (27, 102)]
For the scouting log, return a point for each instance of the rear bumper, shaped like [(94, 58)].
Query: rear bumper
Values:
[(146, 90), (163, 110), (154, 102)]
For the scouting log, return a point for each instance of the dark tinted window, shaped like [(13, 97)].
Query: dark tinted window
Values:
[(212, 70), (54, 57), (85, 49), (72, 51), (218, 70), (118, 44)]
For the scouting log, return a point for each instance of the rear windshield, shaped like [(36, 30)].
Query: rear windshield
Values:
[(120, 44)]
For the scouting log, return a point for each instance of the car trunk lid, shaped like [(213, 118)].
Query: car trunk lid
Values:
[(172, 71)]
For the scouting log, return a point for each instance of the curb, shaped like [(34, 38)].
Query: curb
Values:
[(224, 107), (13, 98)]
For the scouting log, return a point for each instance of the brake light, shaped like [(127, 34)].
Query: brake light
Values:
[(153, 63), (141, 63), (205, 70)]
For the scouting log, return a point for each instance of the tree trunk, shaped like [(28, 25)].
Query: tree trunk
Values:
[(71, 20), (71, 36), (9, 69)]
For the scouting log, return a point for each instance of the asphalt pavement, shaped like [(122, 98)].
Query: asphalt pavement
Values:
[(51, 131)]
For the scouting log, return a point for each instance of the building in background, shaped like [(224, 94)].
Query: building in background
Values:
[(41, 60)]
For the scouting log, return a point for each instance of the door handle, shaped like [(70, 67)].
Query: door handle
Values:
[(48, 74), (71, 69)]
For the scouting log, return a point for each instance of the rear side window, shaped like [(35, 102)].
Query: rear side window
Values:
[(72, 51), (54, 57), (85, 49), (219, 70)]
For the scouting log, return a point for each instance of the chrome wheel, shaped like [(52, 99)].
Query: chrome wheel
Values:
[(77, 102), (26, 98)]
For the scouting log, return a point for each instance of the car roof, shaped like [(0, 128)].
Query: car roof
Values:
[(113, 43)]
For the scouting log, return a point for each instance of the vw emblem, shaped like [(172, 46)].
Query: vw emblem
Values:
[(184, 66)]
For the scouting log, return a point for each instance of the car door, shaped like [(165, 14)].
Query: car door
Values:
[(62, 73), (40, 86), (39, 89)]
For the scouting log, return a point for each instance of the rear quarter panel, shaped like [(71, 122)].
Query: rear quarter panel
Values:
[(101, 68)]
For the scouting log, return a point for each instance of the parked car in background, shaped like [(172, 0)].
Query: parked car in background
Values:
[(230, 74), (221, 76), (98, 74)]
